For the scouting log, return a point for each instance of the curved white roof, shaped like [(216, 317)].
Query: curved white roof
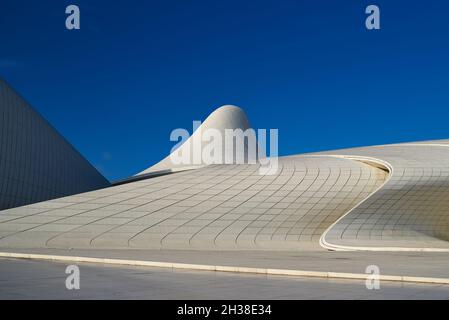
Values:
[(383, 198), (225, 117)]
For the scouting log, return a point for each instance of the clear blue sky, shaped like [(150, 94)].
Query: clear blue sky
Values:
[(138, 69)]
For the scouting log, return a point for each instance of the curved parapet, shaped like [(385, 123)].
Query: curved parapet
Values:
[(410, 212), (227, 117), (36, 162)]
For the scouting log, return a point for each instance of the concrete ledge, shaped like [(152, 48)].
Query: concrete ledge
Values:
[(203, 267)]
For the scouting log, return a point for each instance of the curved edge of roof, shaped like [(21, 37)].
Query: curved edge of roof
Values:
[(337, 247)]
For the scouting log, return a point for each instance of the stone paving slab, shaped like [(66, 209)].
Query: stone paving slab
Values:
[(413, 264), (31, 279)]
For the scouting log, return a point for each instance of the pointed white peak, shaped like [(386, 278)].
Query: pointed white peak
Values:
[(211, 142)]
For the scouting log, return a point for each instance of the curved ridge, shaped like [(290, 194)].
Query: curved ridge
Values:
[(367, 160), (420, 231)]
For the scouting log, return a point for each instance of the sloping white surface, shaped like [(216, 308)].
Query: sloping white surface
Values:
[(225, 117), (36, 162)]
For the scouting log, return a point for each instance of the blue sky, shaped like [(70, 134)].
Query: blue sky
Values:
[(138, 69)]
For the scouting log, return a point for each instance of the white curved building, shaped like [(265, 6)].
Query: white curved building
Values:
[(36, 162), (384, 198)]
